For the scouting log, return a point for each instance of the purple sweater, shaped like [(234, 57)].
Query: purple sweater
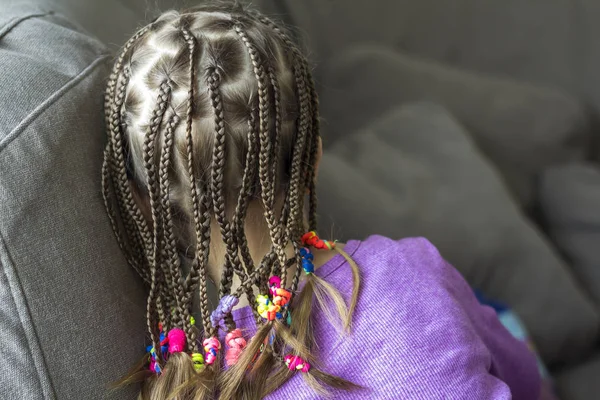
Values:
[(418, 332)]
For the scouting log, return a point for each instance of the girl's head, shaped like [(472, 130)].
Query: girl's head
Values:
[(219, 82), (210, 113)]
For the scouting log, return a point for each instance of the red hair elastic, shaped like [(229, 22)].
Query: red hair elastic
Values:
[(311, 239)]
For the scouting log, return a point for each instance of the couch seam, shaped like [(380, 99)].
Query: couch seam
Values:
[(39, 359), (50, 101), (13, 22)]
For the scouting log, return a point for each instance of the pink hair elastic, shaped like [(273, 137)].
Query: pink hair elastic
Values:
[(296, 363), (236, 344), (274, 283), (211, 349), (177, 340)]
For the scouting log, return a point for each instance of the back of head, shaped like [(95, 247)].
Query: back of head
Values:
[(218, 72), (208, 112)]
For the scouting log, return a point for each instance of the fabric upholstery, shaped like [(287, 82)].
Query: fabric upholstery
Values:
[(570, 205), (72, 314), (114, 21), (551, 42), (388, 179), (580, 382), (520, 127)]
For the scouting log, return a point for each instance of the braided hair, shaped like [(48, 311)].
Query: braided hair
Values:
[(213, 127)]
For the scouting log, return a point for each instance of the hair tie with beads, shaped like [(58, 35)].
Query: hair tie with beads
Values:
[(296, 363)]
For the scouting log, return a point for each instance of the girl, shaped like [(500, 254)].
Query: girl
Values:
[(213, 147)]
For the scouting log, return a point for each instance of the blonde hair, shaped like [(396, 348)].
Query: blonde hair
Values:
[(208, 111)]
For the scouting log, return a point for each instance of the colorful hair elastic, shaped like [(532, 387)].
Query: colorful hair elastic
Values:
[(274, 283), (235, 343), (212, 346), (311, 239), (198, 360), (224, 308), (272, 308), (154, 366), (176, 339), (266, 308), (307, 260), (296, 363), (281, 297)]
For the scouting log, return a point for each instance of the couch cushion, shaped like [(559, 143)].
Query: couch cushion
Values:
[(580, 382), (521, 128), (570, 204), (415, 172), (72, 314), (125, 16), (546, 42)]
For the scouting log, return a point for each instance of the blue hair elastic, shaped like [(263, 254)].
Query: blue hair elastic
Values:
[(307, 261)]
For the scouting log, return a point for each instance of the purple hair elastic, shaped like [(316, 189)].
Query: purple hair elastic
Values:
[(224, 308)]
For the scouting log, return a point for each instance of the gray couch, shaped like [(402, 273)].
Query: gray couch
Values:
[(470, 123)]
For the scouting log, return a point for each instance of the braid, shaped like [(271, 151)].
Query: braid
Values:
[(112, 79), (243, 203), (201, 214), (305, 87), (171, 262), (265, 153), (257, 277), (133, 258), (133, 220), (246, 193), (296, 192), (276, 144), (314, 150), (305, 134), (149, 145), (218, 172), (113, 102), (309, 153)]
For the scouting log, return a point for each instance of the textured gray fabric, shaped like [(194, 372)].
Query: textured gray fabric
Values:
[(520, 127), (570, 203), (389, 179), (580, 382), (72, 310), (114, 21)]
